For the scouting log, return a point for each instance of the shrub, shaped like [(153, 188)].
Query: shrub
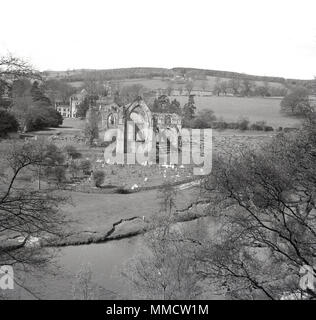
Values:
[(8, 123), (54, 160), (243, 124), (40, 117), (262, 124), (256, 127), (72, 152), (53, 155), (232, 125), (123, 191), (220, 124), (73, 169), (85, 166), (296, 102), (98, 178), (203, 120), (268, 128), (60, 174), (199, 123)]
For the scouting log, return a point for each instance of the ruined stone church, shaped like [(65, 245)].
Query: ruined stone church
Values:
[(152, 131)]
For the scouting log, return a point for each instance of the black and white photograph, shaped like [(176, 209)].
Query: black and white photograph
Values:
[(157, 151)]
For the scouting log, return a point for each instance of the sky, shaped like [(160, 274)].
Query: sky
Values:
[(261, 37)]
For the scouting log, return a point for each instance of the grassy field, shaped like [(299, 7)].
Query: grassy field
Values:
[(160, 83), (97, 212), (255, 109), (230, 108)]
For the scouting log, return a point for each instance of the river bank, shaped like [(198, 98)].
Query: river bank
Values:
[(128, 227), (107, 262)]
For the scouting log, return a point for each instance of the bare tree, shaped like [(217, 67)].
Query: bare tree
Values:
[(167, 198), (247, 87), (20, 110), (28, 217), (11, 69), (14, 67), (128, 94), (83, 286), (266, 203), (166, 268), (224, 87), (217, 87), (189, 85), (296, 102), (235, 85), (169, 88), (91, 129)]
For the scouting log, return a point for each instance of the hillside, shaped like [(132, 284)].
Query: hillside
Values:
[(149, 73)]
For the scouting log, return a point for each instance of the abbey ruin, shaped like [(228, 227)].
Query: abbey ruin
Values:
[(139, 130)]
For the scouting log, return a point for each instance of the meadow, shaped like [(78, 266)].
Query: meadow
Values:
[(162, 83), (254, 109)]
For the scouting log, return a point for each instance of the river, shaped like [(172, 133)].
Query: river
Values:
[(105, 260)]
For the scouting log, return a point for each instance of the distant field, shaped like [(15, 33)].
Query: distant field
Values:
[(230, 108), (255, 109), (77, 84), (160, 83), (152, 84), (212, 80)]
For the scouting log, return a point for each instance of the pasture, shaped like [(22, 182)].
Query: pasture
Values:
[(97, 212), (162, 83), (254, 109), (229, 108)]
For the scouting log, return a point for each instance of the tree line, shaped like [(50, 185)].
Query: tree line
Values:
[(247, 88)]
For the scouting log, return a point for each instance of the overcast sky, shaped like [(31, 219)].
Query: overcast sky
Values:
[(266, 37)]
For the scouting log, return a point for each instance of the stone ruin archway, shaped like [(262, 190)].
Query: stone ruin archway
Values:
[(139, 113)]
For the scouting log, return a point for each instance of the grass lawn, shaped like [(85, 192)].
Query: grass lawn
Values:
[(72, 123), (97, 212)]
